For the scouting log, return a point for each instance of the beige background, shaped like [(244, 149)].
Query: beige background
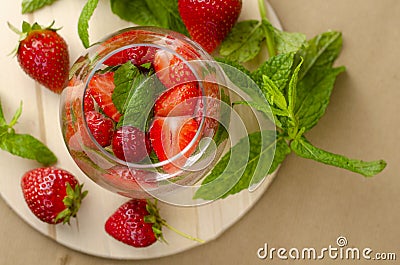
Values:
[(308, 204)]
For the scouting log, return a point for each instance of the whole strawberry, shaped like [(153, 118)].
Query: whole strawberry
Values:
[(52, 194), (131, 224), (43, 54), (138, 223), (209, 22)]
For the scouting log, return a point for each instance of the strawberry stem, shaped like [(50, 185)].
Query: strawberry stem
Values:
[(269, 37), (164, 223), (155, 218)]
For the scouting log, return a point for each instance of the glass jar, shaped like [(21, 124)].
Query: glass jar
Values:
[(143, 112)]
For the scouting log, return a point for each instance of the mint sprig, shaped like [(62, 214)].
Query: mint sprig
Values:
[(297, 85), (23, 145)]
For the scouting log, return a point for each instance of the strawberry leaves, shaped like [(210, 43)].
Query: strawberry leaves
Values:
[(23, 145), (72, 202)]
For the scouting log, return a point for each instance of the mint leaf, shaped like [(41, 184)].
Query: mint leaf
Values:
[(317, 78), (240, 77), (136, 11), (134, 95), (141, 102), (312, 105), (222, 134), (28, 6), (2, 118), (303, 148), (235, 172), (83, 21), (169, 10), (285, 42), (320, 52), (23, 145), (273, 94), (292, 93), (282, 150), (26, 146), (162, 13), (126, 78), (243, 43), (277, 68)]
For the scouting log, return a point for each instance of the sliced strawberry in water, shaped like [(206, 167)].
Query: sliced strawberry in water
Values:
[(172, 70), (138, 55), (101, 87), (180, 100), (88, 103), (101, 127), (171, 135)]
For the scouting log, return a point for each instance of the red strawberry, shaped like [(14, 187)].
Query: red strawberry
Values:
[(209, 22), (101, 87), (129, 144), (169, 136), (88, 103), (138, 55), (52, 194), (180, 100), (101, 127), (43, 54), (128, 224), (170, 69), (138, 223)]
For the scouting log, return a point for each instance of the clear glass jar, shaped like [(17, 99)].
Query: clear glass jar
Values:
[(184, 146)]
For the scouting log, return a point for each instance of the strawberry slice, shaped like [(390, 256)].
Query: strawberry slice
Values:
[(180, 100), (169, 136), (170, 69), (101, 86), (138, 55)]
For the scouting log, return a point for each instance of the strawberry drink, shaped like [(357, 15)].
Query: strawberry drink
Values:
[(140, 110)]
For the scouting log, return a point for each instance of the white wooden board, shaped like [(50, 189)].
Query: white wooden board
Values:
[(40, 118)]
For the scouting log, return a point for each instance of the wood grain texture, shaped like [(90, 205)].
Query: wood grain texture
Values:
[(40, 118)]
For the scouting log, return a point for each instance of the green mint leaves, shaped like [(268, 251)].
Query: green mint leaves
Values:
[(237, 174), (161, 13), (244, 41), (297, 86), (23, 145), (83, 21), (28, 6), (134, 94), (303, 148)]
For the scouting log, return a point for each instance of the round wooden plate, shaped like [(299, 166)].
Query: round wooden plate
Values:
[(40, 118)]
